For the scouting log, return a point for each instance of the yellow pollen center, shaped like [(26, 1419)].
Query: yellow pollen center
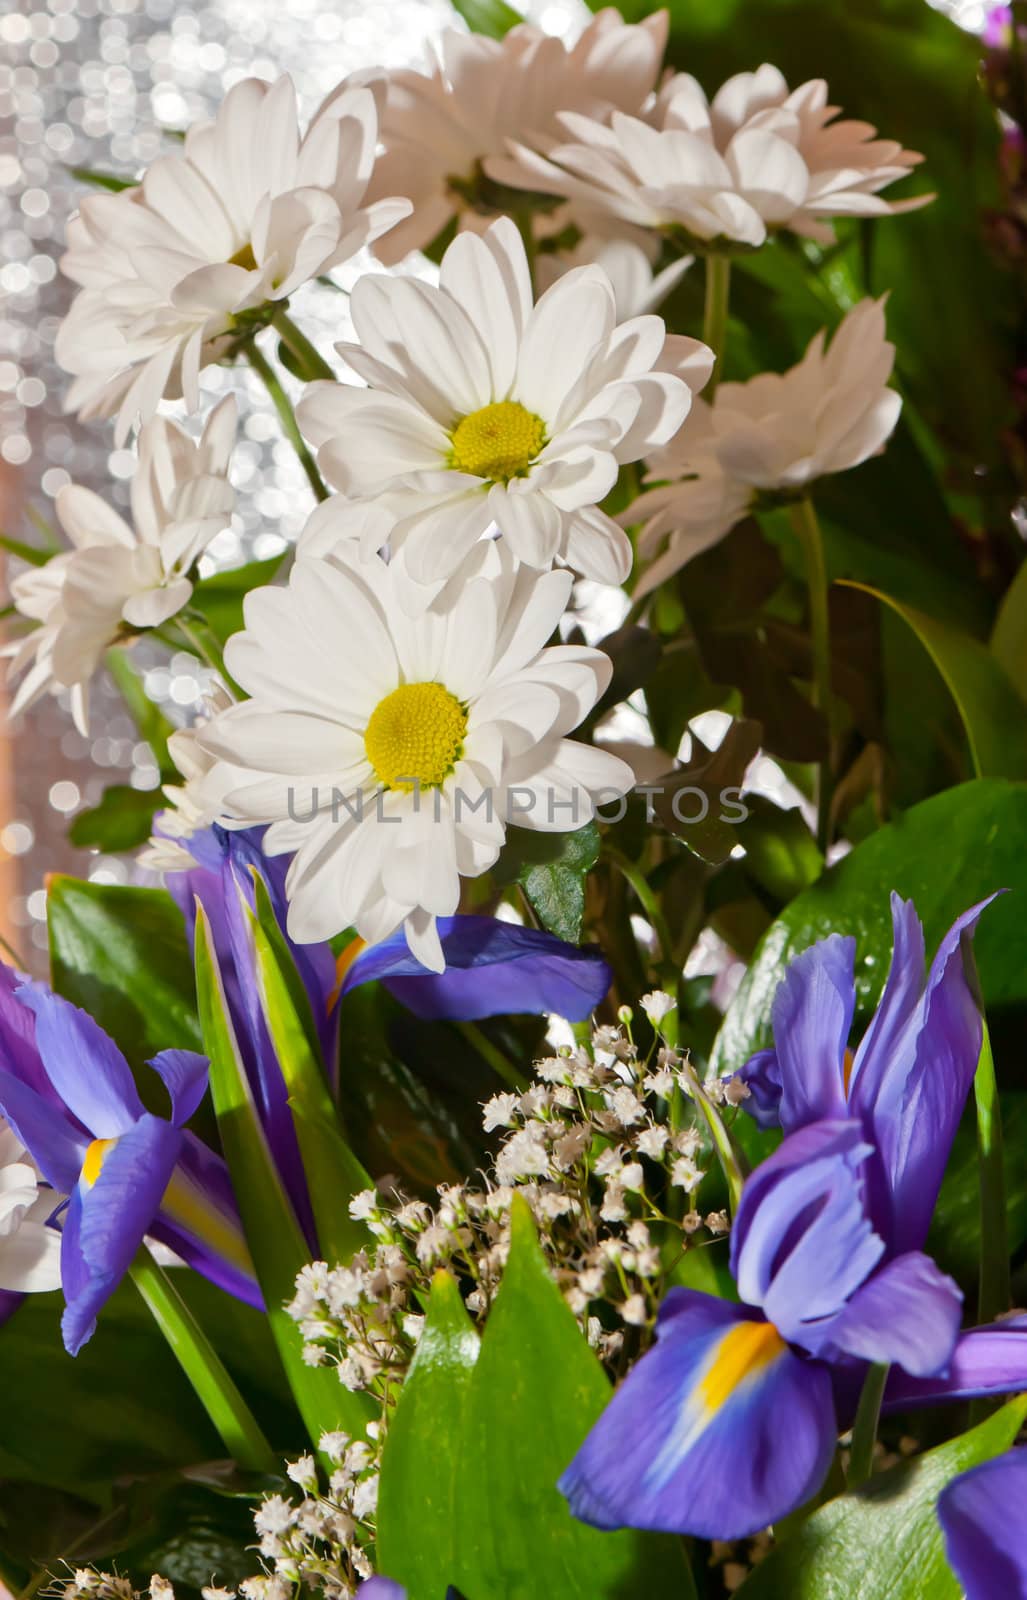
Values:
[(244, 257), (96, 1155), (745, 1349), (416, 732), (498, 442)]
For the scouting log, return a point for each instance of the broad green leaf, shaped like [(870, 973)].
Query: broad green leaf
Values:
[(122, 954), (492, 17), (992, 713), (422, 1466), (551, 868), (780, 852), (1009, 636), (122, 820), (272, 1232), (219, 599), (333, 1173), (535, 1392), (955, 1238), (151, 723), (945, 854), (885, 1542)]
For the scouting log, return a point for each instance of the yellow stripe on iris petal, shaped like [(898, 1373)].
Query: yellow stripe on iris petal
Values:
[(745, 1350), (343, 963), (95, 1157), (186, 1204)]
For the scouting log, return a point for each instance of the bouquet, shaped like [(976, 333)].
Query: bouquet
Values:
[(544, 1134)]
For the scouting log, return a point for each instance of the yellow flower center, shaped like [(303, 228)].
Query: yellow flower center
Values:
[(416, 732), (498, 442), (96, 1155), (244, 257)]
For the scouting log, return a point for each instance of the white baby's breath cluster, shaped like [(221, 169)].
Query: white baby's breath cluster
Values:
[(608, 1150)]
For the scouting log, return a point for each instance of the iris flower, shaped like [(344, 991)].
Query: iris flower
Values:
[(907, 1082), (981, 1514), (730, 1422), (69, 1094)]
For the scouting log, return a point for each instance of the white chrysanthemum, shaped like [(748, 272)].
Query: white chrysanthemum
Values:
[(486, 409), (195, 803), (776, 433), (30, 1252), (637, 289), (122, 576), (441, 130), (760, 157), (243, 215), (390, 753)]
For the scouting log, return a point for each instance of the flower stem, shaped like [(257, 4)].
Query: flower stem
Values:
[(195, 642), (203, 1367), (306, 354), (286, 416), (732, 1160), (807, 528), (650, 905), (501, 1066), (714, 324), (994, 1281), (864, 1430)]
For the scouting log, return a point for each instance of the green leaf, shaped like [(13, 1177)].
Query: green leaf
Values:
[(219, 599), (333, 1173), (151, 723), (492, 17), (122, 820), (945, 854), (122, 954), (552, 868), (699, 802), (422, 1466), (955, 1239), (780, 852), (535, 1392), (992, 713), (26, 552), (884, 1543), (1009, 636), (273, 1234), (102, 180)]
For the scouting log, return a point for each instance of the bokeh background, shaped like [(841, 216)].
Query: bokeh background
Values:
[(101, 84)]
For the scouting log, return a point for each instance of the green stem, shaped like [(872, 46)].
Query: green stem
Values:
[(807, 529), (195, 643), (649, 902), (731, 1158), (308, 356), (994, 1280), (203, 1367), (864, 1430), (501, 1066), (287, 417), (714, 323)]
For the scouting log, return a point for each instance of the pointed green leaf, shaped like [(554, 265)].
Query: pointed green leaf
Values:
[(219, 599), (992, 713), (552, 868), (102, 180), (422, 1466), (150, 721), (122, 954), (122, 820), (272, 1232), (31, 553), (334, 1175), (536, 1391), (885, 1542), (492, 17)]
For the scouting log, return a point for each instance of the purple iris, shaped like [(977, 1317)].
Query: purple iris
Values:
[(981, 1514), (729, 1423), (907, 1082), (69, 1094)]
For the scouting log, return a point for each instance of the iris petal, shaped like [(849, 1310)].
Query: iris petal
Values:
[(981, 1515), (83, 1063), (716, 1432), (812, 1015), (492, 968)]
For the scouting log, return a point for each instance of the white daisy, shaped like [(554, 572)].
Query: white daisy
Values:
[(391, 753), (196, 802), (637, 289), (30, 1252), (122, 578), (441, 130), (242, 216), (486, 409), (778, 433), (759, 158)]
